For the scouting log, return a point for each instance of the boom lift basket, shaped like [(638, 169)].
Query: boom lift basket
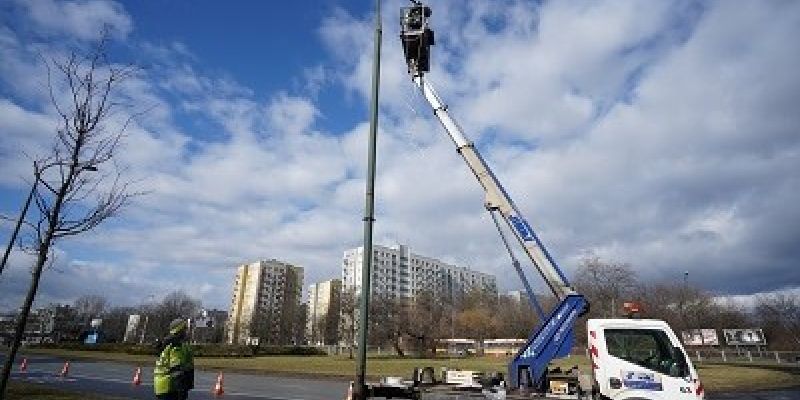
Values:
[(417, 38)]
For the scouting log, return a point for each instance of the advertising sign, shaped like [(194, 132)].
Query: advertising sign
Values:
[(745, 337), (710, 337), (131, 328), (700, 337), (692, 337)]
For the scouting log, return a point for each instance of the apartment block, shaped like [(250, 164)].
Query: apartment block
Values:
[(324, 301), (400, 273), (266, 304)]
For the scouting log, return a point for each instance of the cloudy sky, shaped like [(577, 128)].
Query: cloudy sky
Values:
[(663, 134)]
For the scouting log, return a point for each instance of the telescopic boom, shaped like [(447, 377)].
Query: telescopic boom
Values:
[(417, 38), (554, 336)]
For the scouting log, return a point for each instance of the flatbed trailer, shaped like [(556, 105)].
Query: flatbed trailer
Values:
[(442, 392), (452, 384)]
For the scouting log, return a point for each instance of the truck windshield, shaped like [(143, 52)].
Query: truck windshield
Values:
[(648, 348)]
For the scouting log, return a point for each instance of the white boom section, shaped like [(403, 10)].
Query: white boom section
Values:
[(496, 196)]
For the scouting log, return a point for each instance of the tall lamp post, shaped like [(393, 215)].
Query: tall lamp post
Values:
[(360, 388), (21, 218), (146, 318), (684, 295)]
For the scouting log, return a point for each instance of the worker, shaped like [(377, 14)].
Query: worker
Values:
[(173, 375)]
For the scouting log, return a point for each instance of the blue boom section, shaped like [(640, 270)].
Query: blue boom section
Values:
[(552, 339)]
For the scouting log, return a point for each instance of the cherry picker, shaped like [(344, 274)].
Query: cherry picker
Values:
[(631, 359)]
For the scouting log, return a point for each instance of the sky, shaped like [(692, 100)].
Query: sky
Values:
[(661, 134)]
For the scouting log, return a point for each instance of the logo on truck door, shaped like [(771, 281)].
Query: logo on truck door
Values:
[(641, 380)]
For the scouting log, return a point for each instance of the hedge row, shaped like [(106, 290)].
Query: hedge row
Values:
[(200, 350)]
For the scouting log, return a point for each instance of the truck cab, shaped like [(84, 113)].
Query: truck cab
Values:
[(640, 359)]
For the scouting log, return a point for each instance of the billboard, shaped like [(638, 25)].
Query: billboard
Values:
[(745, 337), (700, 337), (710, 337), (130, 330), (92, 338)]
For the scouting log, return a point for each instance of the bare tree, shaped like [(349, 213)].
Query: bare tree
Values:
[(347, 322), (262, 326), (388, 319), (517, 317), (425, 322), (779, 313), (115, 322), (175, 305), (74, 194), (316, 333), (476, 323), (605, 284), (89, 306), (330, 325)]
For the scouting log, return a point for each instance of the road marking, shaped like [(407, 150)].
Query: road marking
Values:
[(71, 377)]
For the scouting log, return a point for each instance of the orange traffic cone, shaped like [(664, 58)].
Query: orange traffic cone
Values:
[(349, 392), (218, 390), (137, 377), (24, 366), (65, 369)]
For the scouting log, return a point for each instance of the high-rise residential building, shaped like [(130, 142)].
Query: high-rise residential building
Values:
[(324, 301), (265, 304), (399, 273)]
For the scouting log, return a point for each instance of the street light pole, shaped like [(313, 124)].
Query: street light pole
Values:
[(21, 217), (144, 328), (684, 294), (360, 388), (146, 318)]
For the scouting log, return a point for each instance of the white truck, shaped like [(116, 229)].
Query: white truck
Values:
[(630, 359), (639, 359)]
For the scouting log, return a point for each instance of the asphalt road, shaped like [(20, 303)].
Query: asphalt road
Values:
[(793, 394), (112, 378), (115, 379)]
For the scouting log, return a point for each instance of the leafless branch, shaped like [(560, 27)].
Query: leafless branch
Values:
[(75, 189), (10, 219)]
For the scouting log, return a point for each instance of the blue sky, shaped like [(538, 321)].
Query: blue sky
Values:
[(659, 134)]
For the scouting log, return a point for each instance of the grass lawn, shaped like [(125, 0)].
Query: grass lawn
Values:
[(715, 377), (728, 378), (23, 390)]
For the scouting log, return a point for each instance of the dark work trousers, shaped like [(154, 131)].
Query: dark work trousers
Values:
[(174, 396)]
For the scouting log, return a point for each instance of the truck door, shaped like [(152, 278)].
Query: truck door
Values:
[(644, 363)]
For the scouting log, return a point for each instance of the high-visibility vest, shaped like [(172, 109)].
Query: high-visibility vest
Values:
[(174, 371)]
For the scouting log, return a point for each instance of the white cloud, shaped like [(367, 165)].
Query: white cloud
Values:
[(291, 114), (82, 19), (643, 128), (24, 132), (660, 134)]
